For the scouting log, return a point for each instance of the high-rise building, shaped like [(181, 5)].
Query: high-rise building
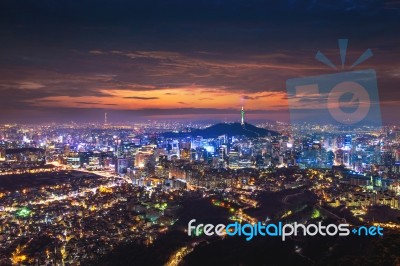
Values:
[(242, 116), (122, 165)]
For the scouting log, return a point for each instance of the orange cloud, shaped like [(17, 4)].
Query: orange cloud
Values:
[(195, 96)]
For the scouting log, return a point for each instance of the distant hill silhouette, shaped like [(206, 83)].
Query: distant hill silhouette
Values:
[(231, 129)]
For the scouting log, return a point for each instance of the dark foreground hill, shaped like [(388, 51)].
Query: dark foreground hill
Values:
[(230, 129)]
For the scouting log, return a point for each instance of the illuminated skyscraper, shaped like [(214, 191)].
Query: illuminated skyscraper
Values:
[(242, 114)]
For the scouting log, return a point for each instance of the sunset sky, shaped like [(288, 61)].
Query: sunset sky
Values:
[(137, 60)]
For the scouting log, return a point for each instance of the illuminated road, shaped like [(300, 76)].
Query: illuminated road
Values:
[(178, 256)]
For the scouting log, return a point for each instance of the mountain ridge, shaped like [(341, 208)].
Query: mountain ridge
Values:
[(231, 129)]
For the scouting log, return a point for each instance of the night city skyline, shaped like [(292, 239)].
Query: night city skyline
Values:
[(204, 132), (194, 60)]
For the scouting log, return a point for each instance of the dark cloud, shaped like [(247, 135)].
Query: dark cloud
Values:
[(246, 97), (95, 103), (141, 98)]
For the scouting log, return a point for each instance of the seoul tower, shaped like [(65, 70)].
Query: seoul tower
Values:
[(242, 114)]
